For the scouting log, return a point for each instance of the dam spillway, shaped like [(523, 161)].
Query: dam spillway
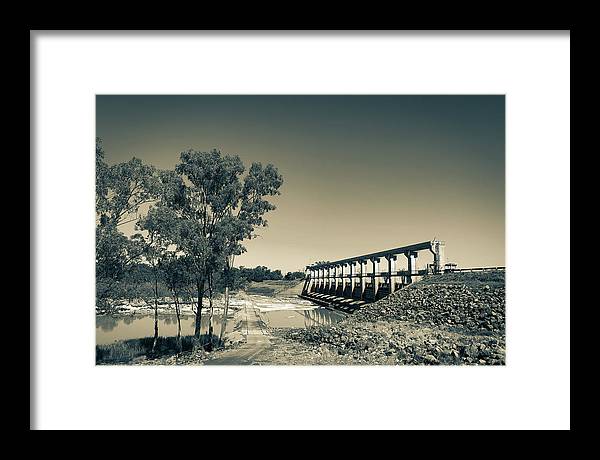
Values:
[(351, 282)]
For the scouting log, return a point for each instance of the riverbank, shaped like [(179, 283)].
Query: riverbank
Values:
[(275, 289), (166, 306), (247, 334), (454, 319), (124, 337)]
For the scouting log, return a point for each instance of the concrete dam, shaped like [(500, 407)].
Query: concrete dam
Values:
[(350, 283)]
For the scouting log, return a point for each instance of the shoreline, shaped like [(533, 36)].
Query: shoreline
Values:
[(458, 320)]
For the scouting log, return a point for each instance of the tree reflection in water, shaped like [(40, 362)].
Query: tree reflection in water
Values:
[(106, 323), (112, 328), (128, 320), (321, 317)]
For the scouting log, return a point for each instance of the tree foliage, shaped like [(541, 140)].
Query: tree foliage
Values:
[(218, 208), (198, 217), (120, 191), (294, 275), (122, 188)]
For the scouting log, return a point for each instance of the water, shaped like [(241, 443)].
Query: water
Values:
[(293, 312), (274, 312), (300, 318), (112, 328)]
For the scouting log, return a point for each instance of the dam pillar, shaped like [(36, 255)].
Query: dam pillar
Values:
[(334, 281), (351, 278), (374, 280), (412, 265), (438, 248), (342, 288), (350, 275), (363, 277), (392, 272), (306, 287), (309, 280), (321, 275)]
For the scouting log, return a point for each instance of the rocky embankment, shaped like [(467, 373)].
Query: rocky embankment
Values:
[(472, 302), (446, 319)]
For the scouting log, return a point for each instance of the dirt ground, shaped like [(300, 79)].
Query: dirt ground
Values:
[(456, 320)]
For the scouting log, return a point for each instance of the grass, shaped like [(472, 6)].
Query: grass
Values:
[(493, 278), (126, 351)]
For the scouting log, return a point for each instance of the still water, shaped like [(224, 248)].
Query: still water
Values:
[(300, 318), (112, 328), (274, 314)]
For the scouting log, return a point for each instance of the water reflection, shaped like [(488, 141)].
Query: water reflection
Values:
[(300, 318), (276, 313), (321, 316), (106, 323), (128, 320), (111, 328)]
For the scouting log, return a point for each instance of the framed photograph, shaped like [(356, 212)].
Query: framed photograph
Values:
[(253, 214)]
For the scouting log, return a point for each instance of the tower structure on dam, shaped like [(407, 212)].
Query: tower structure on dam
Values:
[(361, 279)]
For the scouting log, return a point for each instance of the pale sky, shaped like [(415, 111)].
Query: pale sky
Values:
[(361, 173)]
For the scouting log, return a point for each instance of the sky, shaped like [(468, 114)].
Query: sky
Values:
[(361, 173)]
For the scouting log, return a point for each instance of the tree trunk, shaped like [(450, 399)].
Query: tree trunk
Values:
[(224, 320), (178, 313), (198, 326), (210, 301), (155, 313)]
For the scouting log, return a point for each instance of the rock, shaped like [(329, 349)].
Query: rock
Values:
[(430, 359), (461, 320)]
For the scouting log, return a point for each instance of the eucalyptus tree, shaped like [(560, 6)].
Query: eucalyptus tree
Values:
[(102, 176), (155, 246), (121, 190), (218, 207), (176, 273)]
